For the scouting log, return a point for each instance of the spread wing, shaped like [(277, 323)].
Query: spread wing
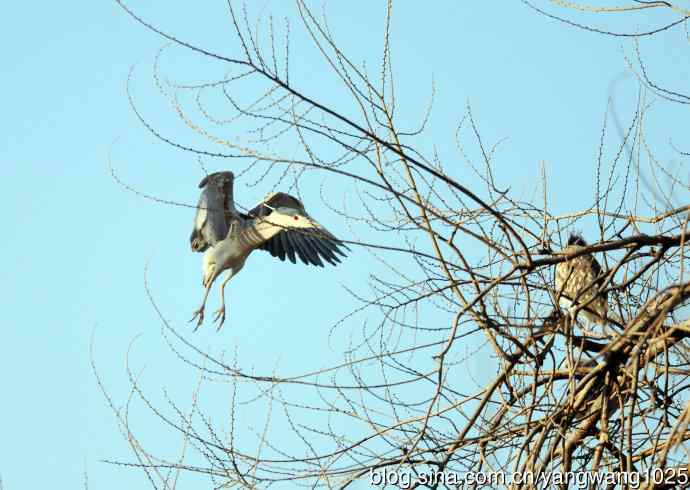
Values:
[(213, 210), (281, 226)]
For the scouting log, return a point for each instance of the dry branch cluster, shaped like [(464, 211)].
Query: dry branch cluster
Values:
[(465, 272)]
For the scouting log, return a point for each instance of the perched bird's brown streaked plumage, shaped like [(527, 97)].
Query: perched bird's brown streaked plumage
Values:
[(579, 279), (279, 224)]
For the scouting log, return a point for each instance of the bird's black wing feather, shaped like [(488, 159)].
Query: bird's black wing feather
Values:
[(288, 246), (320, 245), (301, 249), (310, 245)]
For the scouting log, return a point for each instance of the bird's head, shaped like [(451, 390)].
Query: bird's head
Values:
[(576, 239)]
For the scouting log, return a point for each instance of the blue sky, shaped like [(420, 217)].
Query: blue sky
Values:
[(76, 243)]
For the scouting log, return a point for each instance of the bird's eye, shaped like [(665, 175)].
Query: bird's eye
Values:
[(296, 217)]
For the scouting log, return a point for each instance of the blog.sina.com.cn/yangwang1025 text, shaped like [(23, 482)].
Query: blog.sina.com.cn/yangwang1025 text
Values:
[(573, 479)]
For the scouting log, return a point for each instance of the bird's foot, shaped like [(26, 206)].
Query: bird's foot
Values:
[(220, 316), (200, 314)]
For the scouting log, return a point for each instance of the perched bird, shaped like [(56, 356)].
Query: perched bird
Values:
[(279, 225), (579, 282)]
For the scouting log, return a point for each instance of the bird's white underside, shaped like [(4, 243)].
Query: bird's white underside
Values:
[(260, 227)]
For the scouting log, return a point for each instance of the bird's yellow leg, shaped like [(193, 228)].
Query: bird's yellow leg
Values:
[(208, 282), (200, 312), (220, 312)]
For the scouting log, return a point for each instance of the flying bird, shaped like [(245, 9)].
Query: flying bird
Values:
[(579, 283), (279, 224)]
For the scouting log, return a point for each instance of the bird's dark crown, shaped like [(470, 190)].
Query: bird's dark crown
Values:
[(576, 239)]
